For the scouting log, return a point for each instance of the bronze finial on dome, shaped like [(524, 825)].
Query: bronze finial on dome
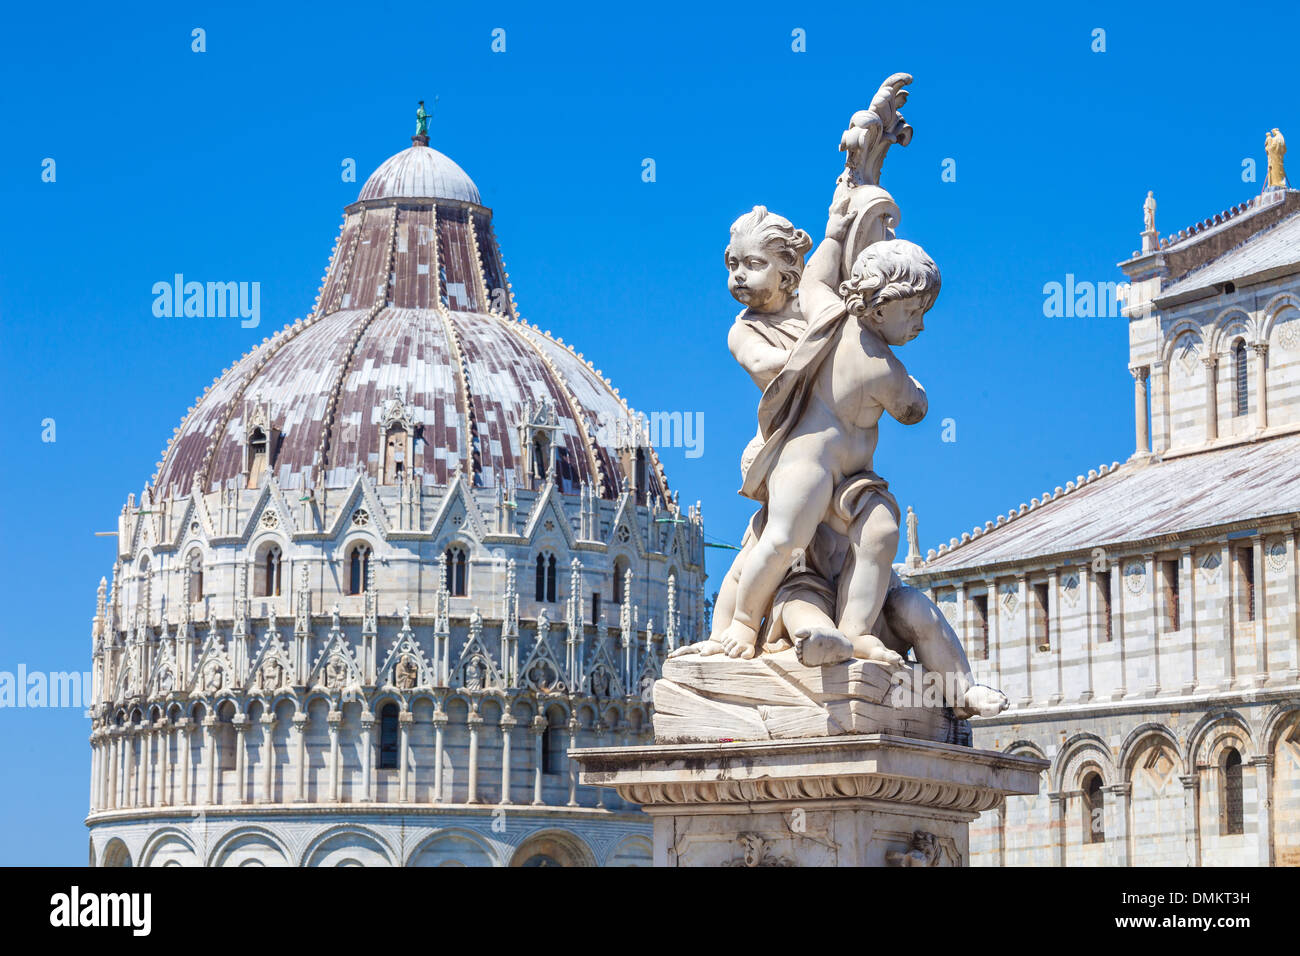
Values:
[(421, 137)]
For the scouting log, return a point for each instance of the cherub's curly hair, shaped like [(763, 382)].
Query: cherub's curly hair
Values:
[(777, 235), (887, 270)]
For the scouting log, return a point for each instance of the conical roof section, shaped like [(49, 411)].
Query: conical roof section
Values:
[(415, 308)]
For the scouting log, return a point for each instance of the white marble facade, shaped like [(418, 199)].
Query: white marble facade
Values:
[(1143, 618)]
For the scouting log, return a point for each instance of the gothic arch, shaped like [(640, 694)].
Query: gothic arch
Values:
[(1081, 752), (469, 839), (1139, 739), (564, 848), (1208, 736), (252, 838), (1177, 331), (1279, 308), (1232, 322), (115, 854), (1278, 720), (330, 847), (165, 839)]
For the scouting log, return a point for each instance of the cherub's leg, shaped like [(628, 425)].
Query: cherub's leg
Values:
[(800, 493), (865, 582), (725, 607), (915, 619)]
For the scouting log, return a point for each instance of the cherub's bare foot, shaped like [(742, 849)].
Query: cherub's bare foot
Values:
[(822, 646), (738, 640), (868, 647), (985, 701), (703, 648)]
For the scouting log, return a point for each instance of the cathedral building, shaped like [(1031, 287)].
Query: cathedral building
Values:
[(393, 564), (1142, 618)]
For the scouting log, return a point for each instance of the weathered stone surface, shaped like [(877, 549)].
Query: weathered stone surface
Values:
[(774, 697)]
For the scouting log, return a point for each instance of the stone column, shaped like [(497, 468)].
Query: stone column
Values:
[(1261, 384), (94, 770), (144, 732), (183, 752), (1211, 363), (570, 765), (298, 726), (1160, 438), (1192, 817), (1115, 813), (1057, 803), (507, 725), (539, 728), (241, 756), (335, 720), (268, 756), (164, 762), (211, 755), (474, 721), (995, 653), (405, 720), (1261, 610), (1140, 409), (115, 768), (1264, 808), (128, 763), (367, 746), (439, 725)]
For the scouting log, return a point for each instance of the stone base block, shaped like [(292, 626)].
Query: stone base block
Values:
[(774, 697), (847, 800)]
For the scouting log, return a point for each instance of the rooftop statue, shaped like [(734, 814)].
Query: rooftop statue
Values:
[(1275, 147), (422, 121)]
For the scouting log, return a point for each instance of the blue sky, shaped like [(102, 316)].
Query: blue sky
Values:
[(225, 165)]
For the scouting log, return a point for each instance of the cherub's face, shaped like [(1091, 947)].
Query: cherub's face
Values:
[(899, 320), (754, 276)]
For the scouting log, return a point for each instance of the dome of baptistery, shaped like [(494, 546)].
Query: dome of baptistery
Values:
[(393, 564)]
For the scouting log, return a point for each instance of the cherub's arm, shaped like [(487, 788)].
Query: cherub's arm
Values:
[(819, 289), (761, 360), (902, 395)]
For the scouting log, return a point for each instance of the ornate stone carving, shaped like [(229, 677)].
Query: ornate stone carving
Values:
[(924, 851), (754, 852)]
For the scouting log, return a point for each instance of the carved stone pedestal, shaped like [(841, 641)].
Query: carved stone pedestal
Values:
[(849, 800)]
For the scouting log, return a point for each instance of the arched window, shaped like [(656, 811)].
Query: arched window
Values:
[(552, 747), (640, 476), (540, 457), (456, 572), (1094, 824), (257, 449), (388, 737), (545, 584), (1240, 375), (595, 607), (1233, 817), (394, 454), (269, 574), (358, 569), (620, 578), (194, 584)]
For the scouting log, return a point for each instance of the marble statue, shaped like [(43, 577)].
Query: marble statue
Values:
[(814, 574), (407, 673), (1275, 147), (1149, 212)]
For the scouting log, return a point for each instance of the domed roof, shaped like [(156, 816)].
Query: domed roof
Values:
[(414, 321), (420, 173)]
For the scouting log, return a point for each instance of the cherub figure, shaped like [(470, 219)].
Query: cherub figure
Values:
[(818, 421)]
